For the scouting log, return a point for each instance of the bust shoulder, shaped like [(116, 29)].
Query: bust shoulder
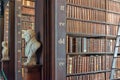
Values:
[(31, 47)]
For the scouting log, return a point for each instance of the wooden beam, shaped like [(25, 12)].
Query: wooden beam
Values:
[(11, 41), (39, 29), (43, 29)]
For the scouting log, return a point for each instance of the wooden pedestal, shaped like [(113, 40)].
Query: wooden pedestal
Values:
[(32, 72)]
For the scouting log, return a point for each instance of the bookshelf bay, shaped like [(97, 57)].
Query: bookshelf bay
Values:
[(91, 28), (27, 22)]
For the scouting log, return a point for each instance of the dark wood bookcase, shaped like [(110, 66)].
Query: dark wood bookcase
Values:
[(91, 28), (77, 38)]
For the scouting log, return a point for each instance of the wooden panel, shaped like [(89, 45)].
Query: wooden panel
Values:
[(39, 29), (60, 39), (11, 42)]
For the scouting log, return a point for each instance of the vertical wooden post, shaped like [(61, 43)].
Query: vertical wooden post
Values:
[(11, 41), (39, 29), (49, 24), (43, 29)]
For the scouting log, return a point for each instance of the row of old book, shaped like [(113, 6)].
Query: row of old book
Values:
[(6, 23), (77, 12), (27, 25), (27, 18), (28, 14), (28, 3), (90, 3), (84, 13), (112, 18), (28, 11), (97, 76), (75, 26), (78, 45), (85, 64), (111, 5)]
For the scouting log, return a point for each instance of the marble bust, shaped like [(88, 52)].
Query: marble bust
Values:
[(5, 51), (31, 47)]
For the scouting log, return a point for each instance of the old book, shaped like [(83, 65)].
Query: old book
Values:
[(84, 45)]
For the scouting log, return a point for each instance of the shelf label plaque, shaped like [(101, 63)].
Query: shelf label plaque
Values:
[(61, 41)]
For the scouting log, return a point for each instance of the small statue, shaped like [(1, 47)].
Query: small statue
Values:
[(5, 56), (31, 47)]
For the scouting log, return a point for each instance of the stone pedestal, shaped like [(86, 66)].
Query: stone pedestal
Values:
[(32, 72)]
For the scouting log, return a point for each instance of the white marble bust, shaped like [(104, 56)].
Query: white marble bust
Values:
[(5, 51), (31, 47)]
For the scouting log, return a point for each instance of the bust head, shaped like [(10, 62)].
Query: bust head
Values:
[(28, 34)]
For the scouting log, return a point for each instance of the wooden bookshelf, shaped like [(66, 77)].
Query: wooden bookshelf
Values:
[(27, 22), (27, 18), (28, 15), (91, 28)]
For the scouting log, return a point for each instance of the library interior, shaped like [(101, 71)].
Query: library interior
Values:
[(60, 39)]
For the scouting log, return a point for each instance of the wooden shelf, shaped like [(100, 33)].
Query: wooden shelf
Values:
[(31, 0), (93, 8), (87, 73), (91, 53), (28, 21), (28, 14), (90, 35), (85, 35), (92, 21), (110, 36), (28, 7)]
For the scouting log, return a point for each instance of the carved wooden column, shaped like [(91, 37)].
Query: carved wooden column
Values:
[(11, 41), (39, 29)]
